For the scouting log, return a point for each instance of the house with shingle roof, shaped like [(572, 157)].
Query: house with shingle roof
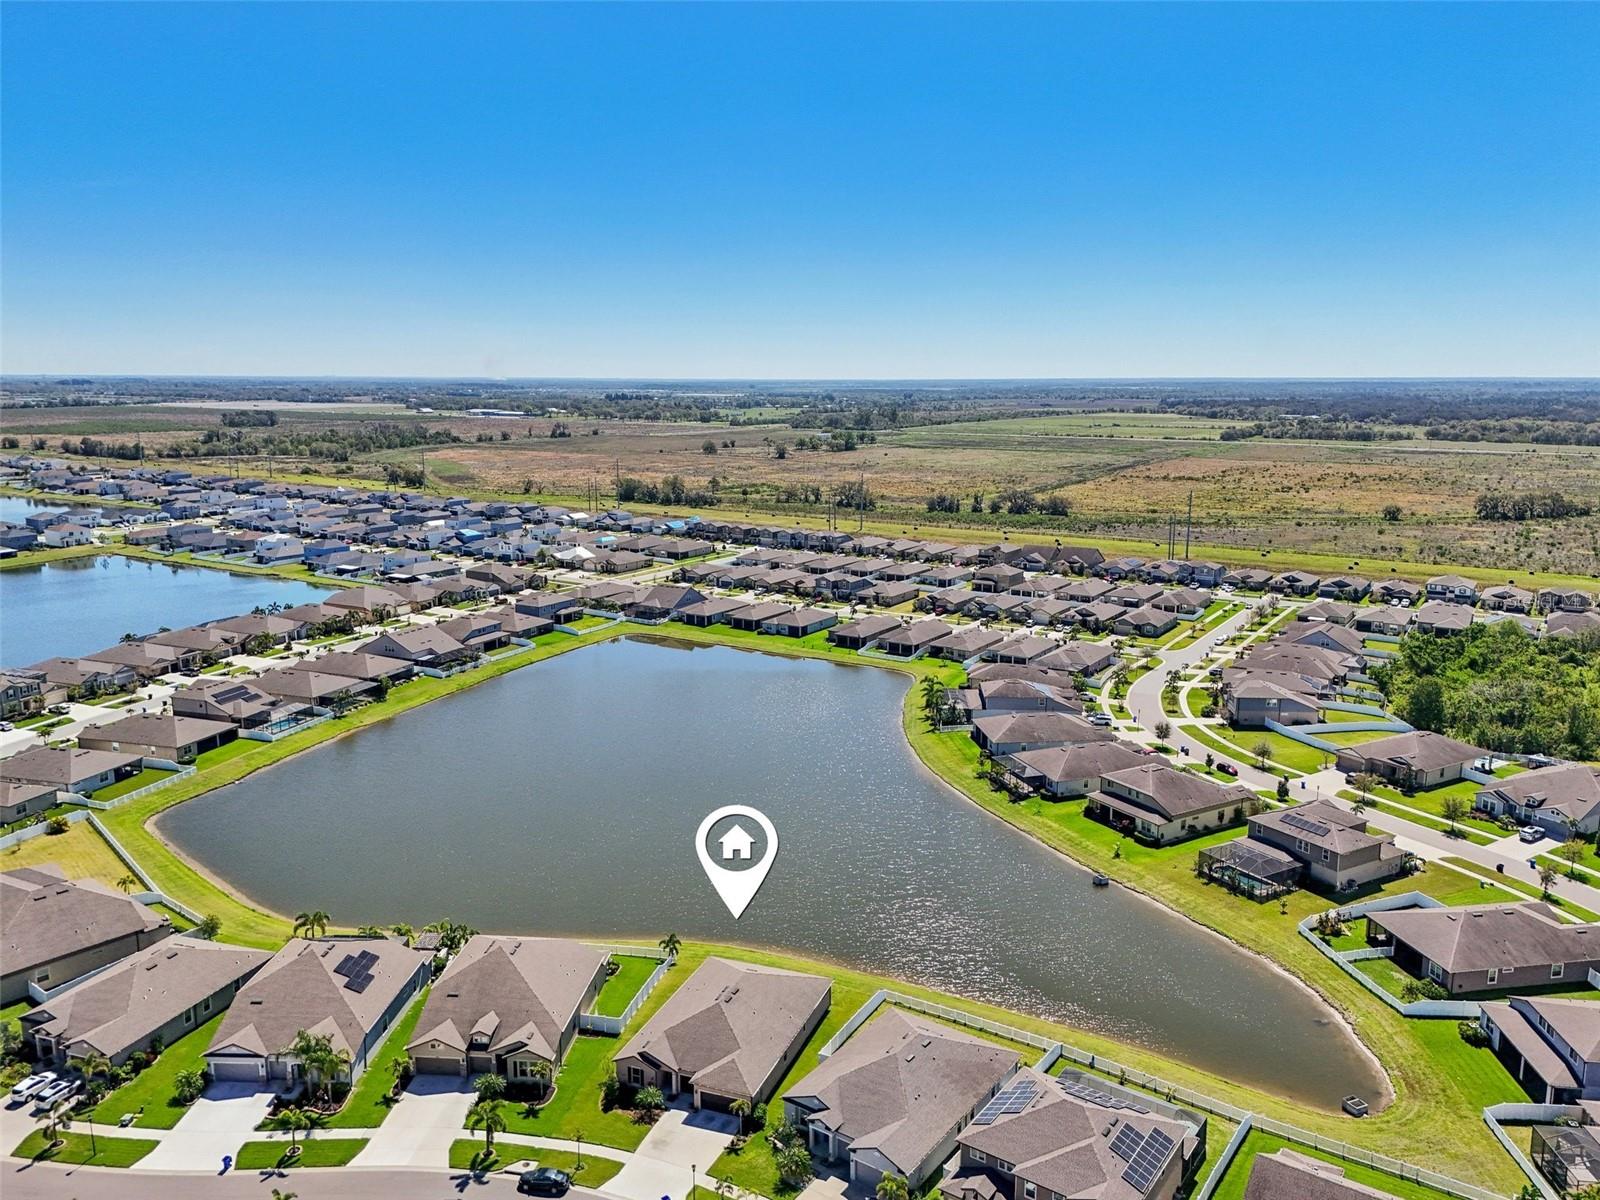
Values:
[(53, 930), (505, 1003), (1562, 800), (1551, 1045), (155, 995), (1290, 1175), (730, 1032), (1484, 947), (350, 990), (894, 1096), (1159, 803), (1075, 1138), (169, 736), (1418, 759)]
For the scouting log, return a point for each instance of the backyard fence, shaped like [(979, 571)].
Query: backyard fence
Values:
[(1344, 959), (613, 1026), (1542, 1113), (28, 832)]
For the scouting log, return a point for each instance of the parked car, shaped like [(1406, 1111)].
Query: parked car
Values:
[(6, 726), (55, 1093), (1099, 718), (32, 1085), (1530, 833), (544, 1181), (1227, 768)]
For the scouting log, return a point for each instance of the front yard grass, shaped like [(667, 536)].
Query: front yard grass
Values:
[(1257, 1143), (151, 1090), (466, 1154), (369, 1102), (314, 1152), (80, 1149), (619, 990), (1525, 889), (1286, 752), (575, 1107)]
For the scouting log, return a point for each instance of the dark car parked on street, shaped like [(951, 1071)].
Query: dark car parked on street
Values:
[(544, 1181)]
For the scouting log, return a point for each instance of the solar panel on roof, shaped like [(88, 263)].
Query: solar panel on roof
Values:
[(358, 983), (367, 959), (347, 966), (1096, 1096), (1312, 827), (1128, 1142), (1011, 1100), (1148, 1160)]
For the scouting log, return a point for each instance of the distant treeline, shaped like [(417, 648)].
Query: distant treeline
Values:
[(1528, 506), (332, 445), (1314, 427), (1573, 432), (1018, 502)]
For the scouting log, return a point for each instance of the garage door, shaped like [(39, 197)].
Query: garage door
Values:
[(437, 1066), (247, 1070)]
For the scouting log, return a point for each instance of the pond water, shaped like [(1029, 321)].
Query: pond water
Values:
[(75, 606), (564, 797), (14, 510)]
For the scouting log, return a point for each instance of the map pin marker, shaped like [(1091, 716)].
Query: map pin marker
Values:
[(736, 887)]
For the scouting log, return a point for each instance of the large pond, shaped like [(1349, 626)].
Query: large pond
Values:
[(75, 606), (564, 797)]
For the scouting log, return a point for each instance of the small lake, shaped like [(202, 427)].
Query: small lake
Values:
[(564, 798), (77, 605), (14, 510)]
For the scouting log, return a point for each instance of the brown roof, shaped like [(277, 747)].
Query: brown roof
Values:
[(121, 1008), (1175, 793), (1420, 749), (45, 917), (1480, 936), (730, 1024), (519, 993), (1288, 1175), (300, 989), (901, 1083), (61, 767), (156, 729)]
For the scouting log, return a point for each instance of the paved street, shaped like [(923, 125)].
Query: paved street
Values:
[(44, 1181)]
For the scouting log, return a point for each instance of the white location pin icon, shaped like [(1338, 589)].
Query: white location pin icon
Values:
[(736, 887)]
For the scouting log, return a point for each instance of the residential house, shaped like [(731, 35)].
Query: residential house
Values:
[(1572, 624), (892, 1099), (1013, 732), (504, 1004), (1442, 616), (1507, 598), (1019, 695), (1403, 591), (79, 770), (1184, 601), (1080, 658), (1249, 579), (368, 602), (303, 686), (170, 736), (1160, 804), (1389, 622), (350, 990), (19, 800), (147, 1000), (1344, 587), (78, 678), (1452, 589), (1334, 845), (21, 693), (800, 622), (1487, 947), (752, 617), (1075, 770), (54, 930), (967, 641), (1078, 1138), (1550, 1045), (420, 645), (714, 611), (1287, 1174), (1562, 800), (1252, 702), (1020, 650), (660, 602), (357, 666), (1144, 622), (240, 701), (1411, 761), (150, 660), (730, 1032), (1332, 612), (859, 635), (914, 639), (1564, 599), (1295, 583)]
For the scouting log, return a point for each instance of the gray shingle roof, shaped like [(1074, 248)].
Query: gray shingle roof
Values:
[(44, 917)]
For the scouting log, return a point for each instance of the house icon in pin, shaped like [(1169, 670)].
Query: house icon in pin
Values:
[(736, 843)]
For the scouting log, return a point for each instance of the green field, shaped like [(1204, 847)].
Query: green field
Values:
[(619, 990)]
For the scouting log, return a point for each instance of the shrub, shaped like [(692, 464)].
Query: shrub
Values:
[(1423, 989), (1472, 1033), (56, 824), (490, 1087), (610, 1092), (188, 1086)]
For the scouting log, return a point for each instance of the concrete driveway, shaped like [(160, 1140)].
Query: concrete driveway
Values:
[(217, 1124), (681, 1145), (418, 1130)]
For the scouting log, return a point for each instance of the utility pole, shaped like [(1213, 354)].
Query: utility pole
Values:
[(1188, 529)]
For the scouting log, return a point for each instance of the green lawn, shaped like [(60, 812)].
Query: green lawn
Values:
[(1525, 889), (1287, 752), (1353, 737), (368, 1104), (1386, 975), (1338, 716), (619, 990), (237, 748), (575, 1107), (79, 1148), (314, 1152), (133, 783), (466, 1155), (1258, 1143), (151, 1089)]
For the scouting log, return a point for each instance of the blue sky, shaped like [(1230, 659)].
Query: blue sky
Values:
[(810, 191)]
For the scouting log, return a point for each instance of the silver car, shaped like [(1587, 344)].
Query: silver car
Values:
[(32, 1085), (55, 1093)]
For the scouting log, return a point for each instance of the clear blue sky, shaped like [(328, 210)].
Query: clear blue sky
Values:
[(812, 191)]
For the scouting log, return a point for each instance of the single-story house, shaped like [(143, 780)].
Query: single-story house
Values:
[(730, 1032), (305, 685), (171, 736), (1564, 599), (1060, 771), (80, 677), (1414, 760), (1295, 583), (1508, 598), (660, 602), (1144, 622), (915, 638), (552, 606), (1487, 947), (1550, 1045), (751, 617), (858, 635), (1079, 658), (714, 611), (350, 990), (356, 666), (1391, 622), (1077, 1139), (368, 601), (1344, 587), (1404, 590), (1561, 800), (155, 995), (967, 641), (892, 1098), (1013, 732), (504, 1004), (1287, 1174), (70, 769), (19, 800), (54, 930), (420, 645), (1158, 803), (1442, 616)]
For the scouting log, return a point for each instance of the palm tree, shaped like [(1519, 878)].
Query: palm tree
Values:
[(313, 923), (94, 1067), (486, 1115), (405, 932), (1365, 783), (670, 945), (740, 1109), (892, 1187), (128, 882), (932, 699), (541, 1073), (296, 1121)]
